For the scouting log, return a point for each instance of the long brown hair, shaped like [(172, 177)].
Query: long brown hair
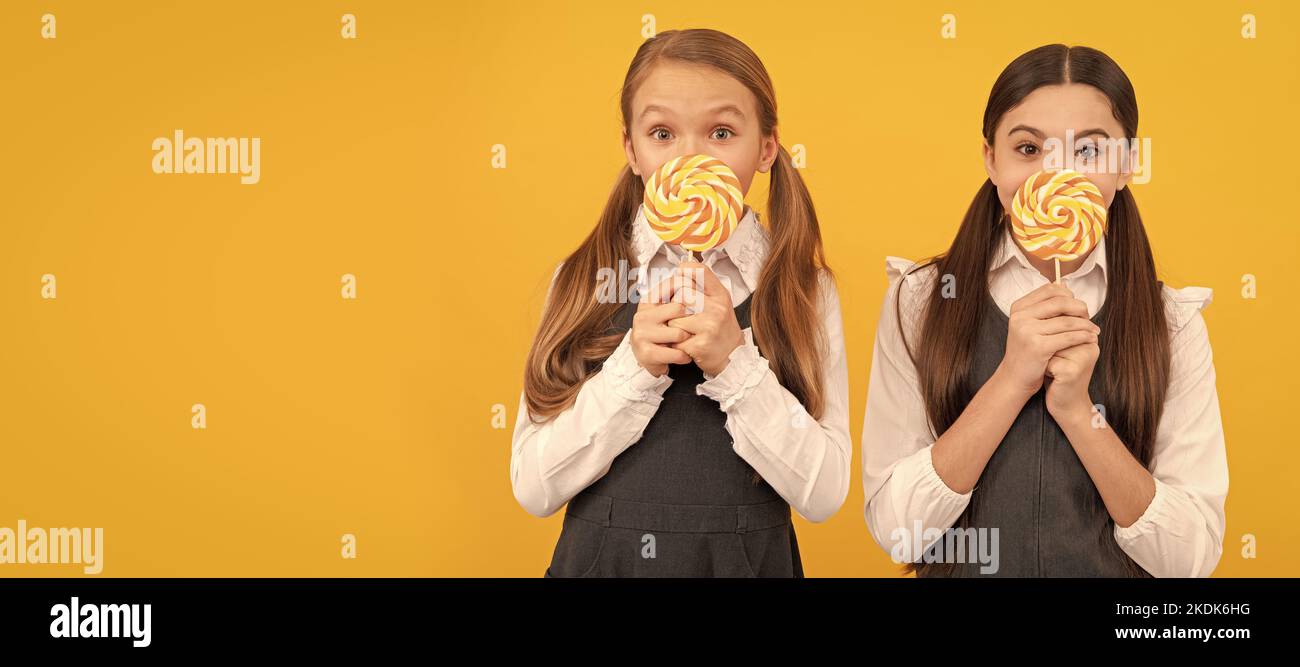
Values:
[(572, 338), (1134, 339)]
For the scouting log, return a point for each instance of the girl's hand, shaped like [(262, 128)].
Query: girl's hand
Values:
[(715, 333), (1071, 371), (652, 338), (1042, 323)]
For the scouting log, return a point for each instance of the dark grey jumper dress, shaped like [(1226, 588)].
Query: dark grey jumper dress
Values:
[(1050, 518), (679, 502)]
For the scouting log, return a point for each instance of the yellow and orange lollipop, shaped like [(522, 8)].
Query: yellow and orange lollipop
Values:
[(693, 201), (1058, 215)]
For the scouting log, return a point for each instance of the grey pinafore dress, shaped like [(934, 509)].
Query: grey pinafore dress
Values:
[(679, 502), (1035, 491)]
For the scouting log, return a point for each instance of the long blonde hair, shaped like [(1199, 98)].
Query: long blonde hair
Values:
[(572, 339)]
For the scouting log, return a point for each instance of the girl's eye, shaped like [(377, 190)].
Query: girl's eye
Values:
[(1027, 149), (726, 134), (662, 134), (1089, 151)]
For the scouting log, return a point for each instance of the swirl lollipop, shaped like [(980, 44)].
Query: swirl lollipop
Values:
[(1058, 215), (693, 201)]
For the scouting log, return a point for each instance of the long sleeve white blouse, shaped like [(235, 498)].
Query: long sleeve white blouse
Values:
[(806, 460), (1181, 532)]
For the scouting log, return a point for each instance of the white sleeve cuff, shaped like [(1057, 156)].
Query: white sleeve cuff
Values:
[(1169, 539), (745, 369), (913, 501), (1156, 513), (932, 485), (628, 379)]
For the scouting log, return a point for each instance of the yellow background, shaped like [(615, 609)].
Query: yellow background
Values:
[(374, 416)]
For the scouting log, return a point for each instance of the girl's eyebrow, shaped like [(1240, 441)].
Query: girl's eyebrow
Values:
[(731, 109), (726, 108), (653, 108), (1089, 133), (1025, 128), (1039, 133)]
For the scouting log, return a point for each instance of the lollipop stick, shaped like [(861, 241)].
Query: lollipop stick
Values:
[(1057, 261), (690, 307)]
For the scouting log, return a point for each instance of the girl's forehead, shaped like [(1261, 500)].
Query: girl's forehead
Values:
[(1055, 109), (673, 87)]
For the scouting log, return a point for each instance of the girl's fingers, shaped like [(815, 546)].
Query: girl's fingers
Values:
[(666, 335), (690, 323), (1063, 323), (703, 277), (662, 354), (692, 297), (1040, 294), (1056, 306), (662, 291), (655, 314), (687, 294), (1058, 342), (682, 280), (1075, 352)]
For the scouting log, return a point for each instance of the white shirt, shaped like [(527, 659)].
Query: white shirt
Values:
[(1181, 532), (806, 461)]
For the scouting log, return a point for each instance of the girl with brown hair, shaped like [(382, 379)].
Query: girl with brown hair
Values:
[(1073, 428), (680, 441)]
